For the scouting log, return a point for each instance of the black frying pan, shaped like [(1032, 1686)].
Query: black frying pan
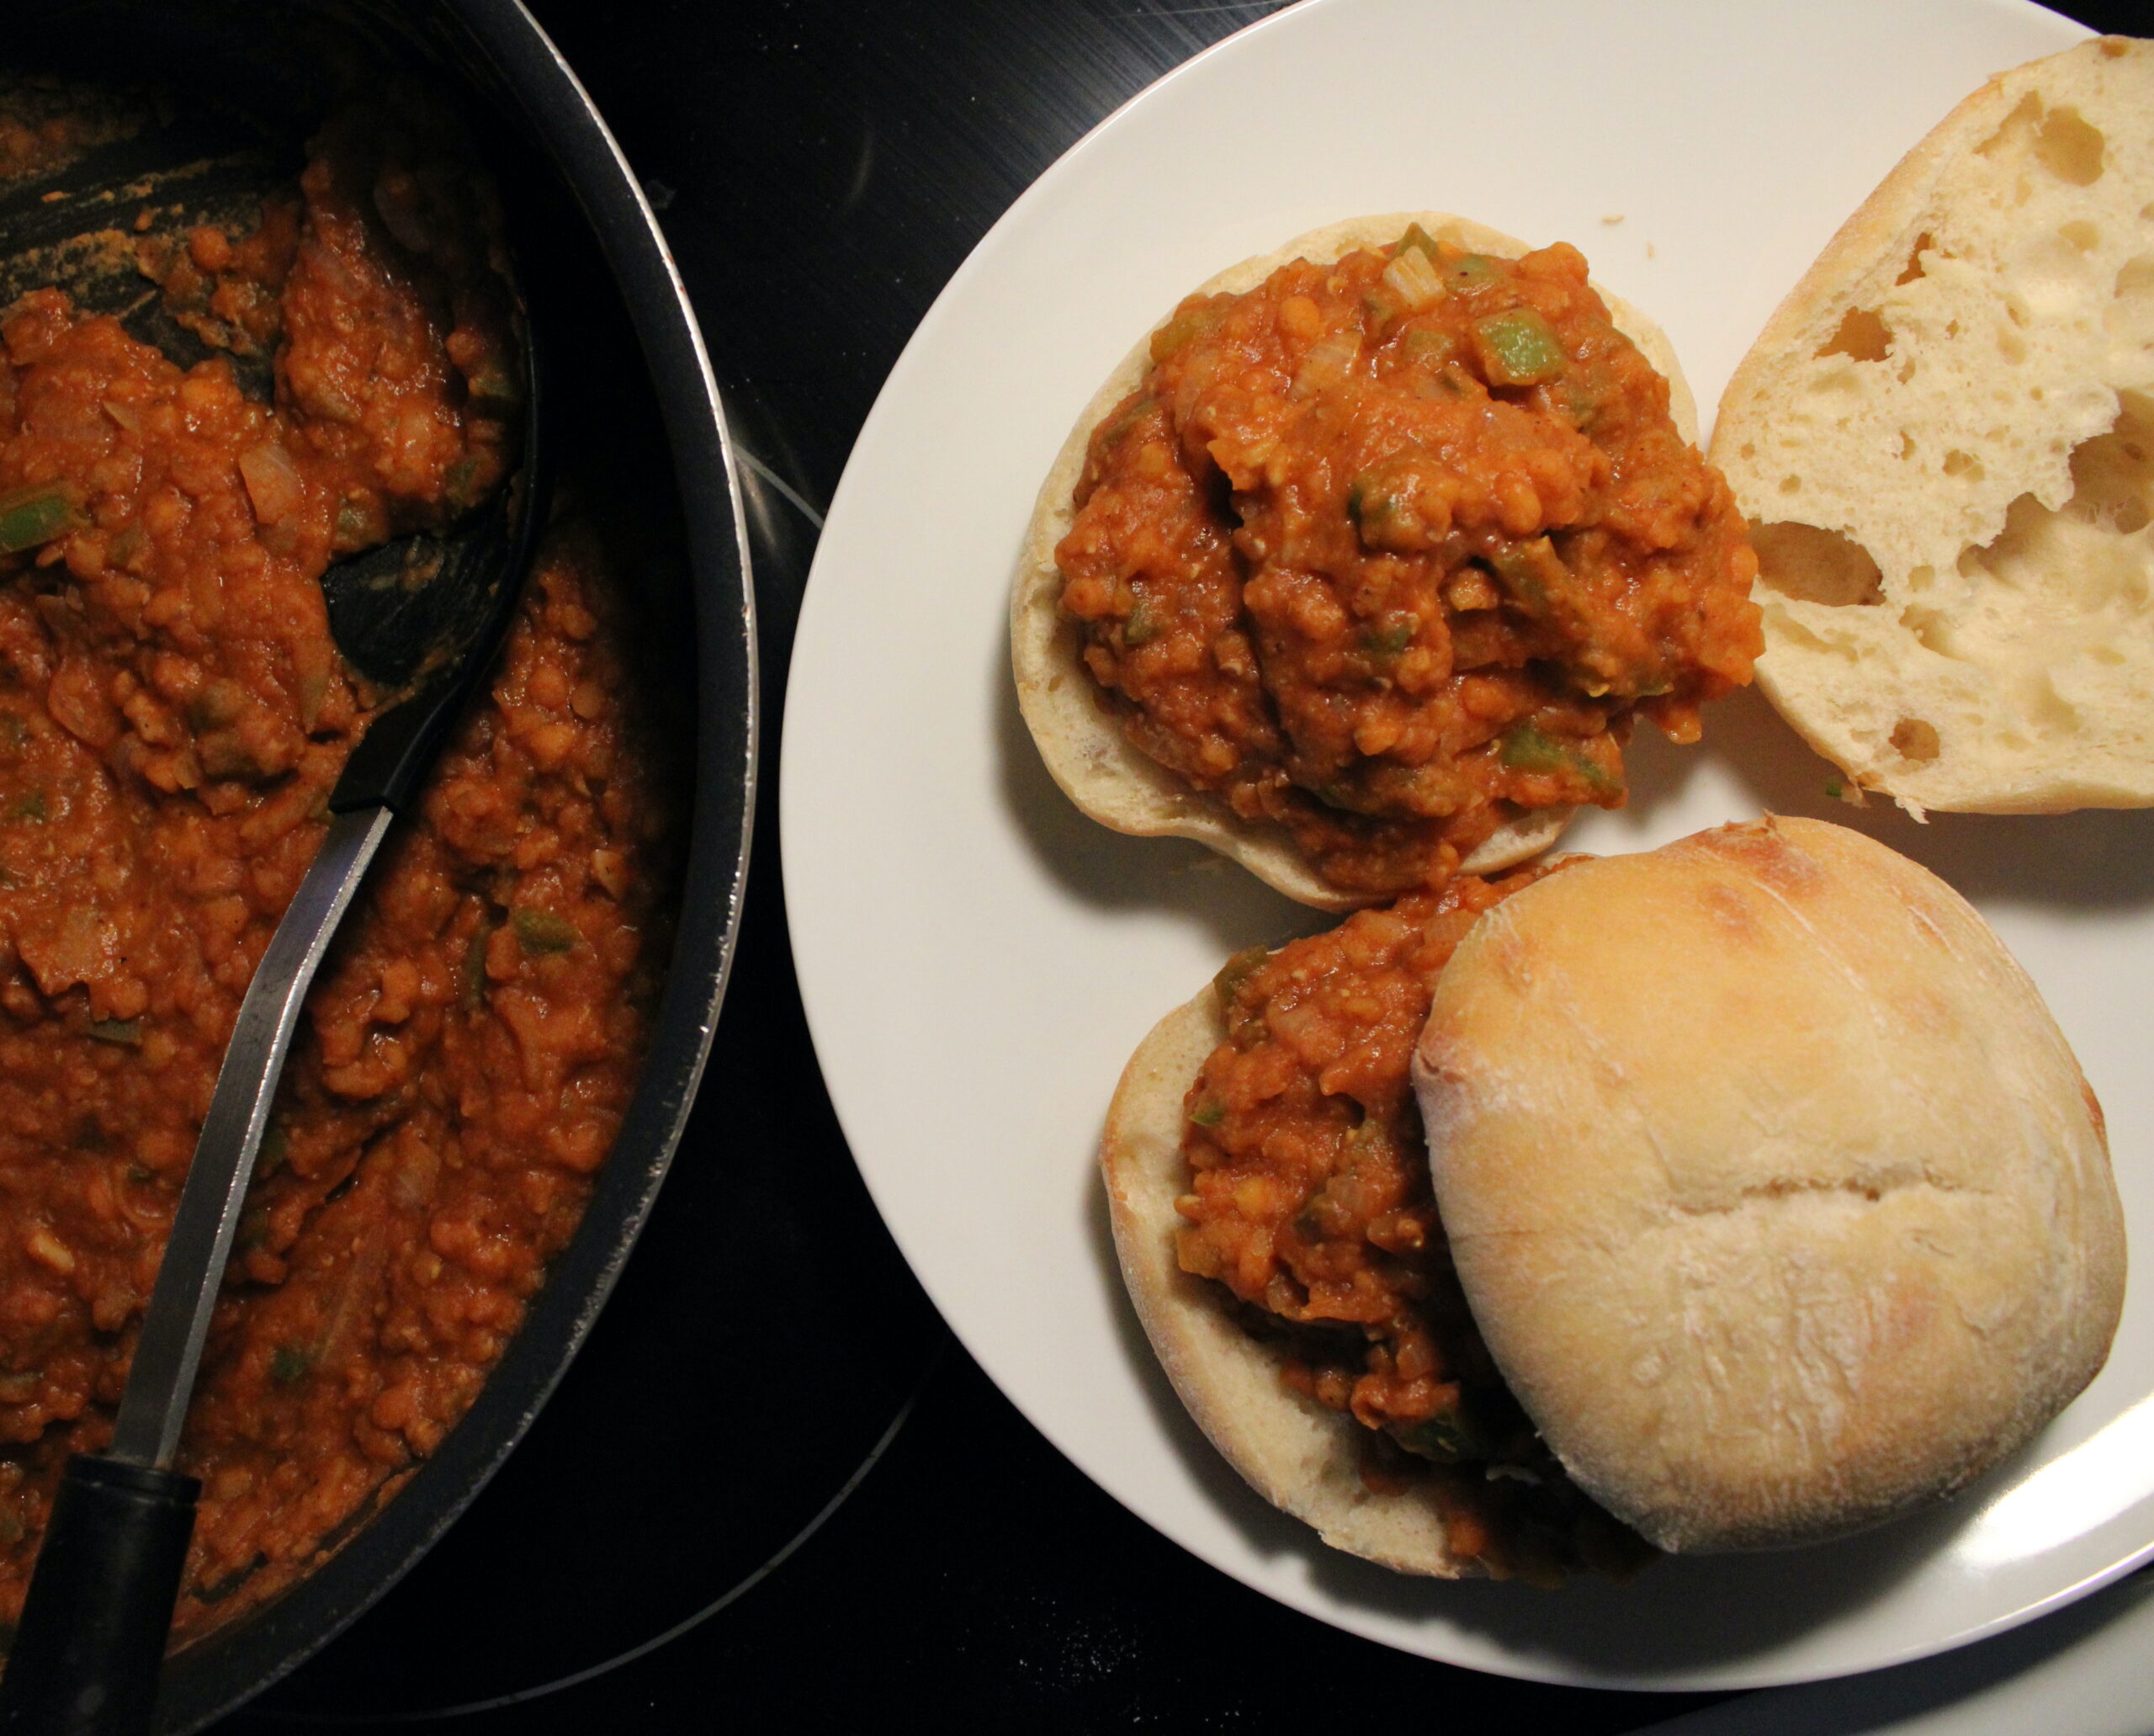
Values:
[(641, 428)]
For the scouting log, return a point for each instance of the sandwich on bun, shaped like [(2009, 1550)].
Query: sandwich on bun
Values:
[(1739, 1193)]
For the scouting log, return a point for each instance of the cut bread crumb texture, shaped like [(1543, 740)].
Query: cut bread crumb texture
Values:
[(1944, 440)]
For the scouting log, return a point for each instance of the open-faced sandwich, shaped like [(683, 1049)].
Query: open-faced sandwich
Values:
[(1360, 567)]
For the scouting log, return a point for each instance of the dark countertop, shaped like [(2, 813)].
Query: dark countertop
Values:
[(858, 1531)]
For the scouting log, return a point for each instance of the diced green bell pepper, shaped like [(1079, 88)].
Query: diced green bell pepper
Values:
[(542, 931), (1519, 346), (29, 517)]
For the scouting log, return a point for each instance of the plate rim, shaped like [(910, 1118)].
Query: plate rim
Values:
[(1559, 1669)]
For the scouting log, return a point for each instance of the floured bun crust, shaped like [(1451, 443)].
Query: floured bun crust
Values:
[(1299, 1456), (1097, 766), (1944, 439), (1777, 1194)]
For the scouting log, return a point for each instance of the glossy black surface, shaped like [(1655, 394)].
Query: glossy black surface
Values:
[(821, 168)]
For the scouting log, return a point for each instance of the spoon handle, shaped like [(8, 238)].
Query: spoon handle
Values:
[(93, 1637), (153, 1405), (86, 1659)]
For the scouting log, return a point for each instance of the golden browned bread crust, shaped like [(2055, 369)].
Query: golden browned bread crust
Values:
[(1079, 737), (1944, 439), (1775, 1190)]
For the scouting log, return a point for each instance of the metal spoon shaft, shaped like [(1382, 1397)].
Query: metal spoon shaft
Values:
[(154, 1405)]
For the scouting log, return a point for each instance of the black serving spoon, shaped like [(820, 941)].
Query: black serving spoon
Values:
[(422, 617)]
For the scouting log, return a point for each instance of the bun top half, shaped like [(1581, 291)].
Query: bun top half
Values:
[(1944, 440), (1778, 1195)]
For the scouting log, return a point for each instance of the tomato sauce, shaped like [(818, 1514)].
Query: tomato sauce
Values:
[(1393, 550)]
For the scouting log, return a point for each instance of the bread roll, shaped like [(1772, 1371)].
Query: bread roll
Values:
[(1079, 738), (1944, 439), (1776, 1192)]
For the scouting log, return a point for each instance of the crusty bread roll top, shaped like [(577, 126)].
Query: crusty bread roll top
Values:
[(1776, 1192)]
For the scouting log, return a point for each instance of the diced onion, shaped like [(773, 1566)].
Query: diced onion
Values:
[(273, 481), (1329, 360), (1411, 276)]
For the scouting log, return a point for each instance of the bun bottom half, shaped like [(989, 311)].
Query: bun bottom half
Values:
[(1299, 1456), (1078, 733)]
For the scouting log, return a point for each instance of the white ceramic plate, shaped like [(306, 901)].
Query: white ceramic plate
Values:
[(977, 960)]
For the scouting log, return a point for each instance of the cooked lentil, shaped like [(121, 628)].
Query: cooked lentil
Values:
[(1310, 1201), (173, 713), (1391, 549)]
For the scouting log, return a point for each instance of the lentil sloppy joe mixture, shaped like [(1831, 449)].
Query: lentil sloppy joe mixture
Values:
[(1390, 549), (1310, 1201), (173, 713)]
